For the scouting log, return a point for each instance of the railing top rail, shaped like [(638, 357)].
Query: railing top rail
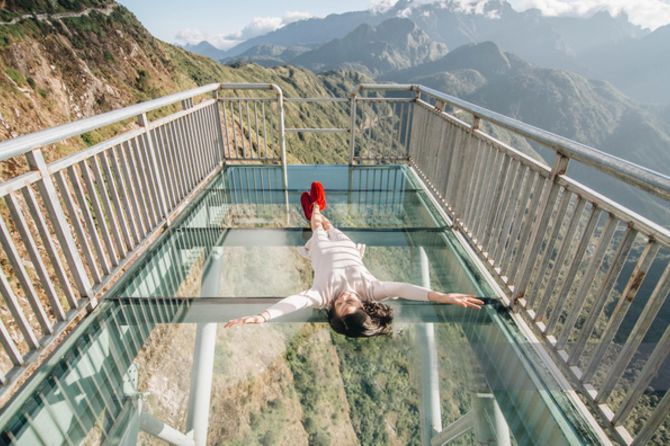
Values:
[(26, 143), (251, 86), (642, 177)]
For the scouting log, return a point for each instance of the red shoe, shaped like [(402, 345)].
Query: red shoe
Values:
[(318, 194), (307, 205)]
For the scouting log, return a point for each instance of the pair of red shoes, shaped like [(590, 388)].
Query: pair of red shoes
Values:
[(316, 195)]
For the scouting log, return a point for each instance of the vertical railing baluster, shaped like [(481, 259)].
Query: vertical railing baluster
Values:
[(352, 129), (99, 184), (560, 258), (49, 246), (11, 350), (518, 217), (159, 181), (164, 150), (503, 207), (226, 144), (551, 242), (17, 312), (547, 202), (146, 192), (587, 281), (35, 257), (601, 297), (133, 185), (540, 185), (57, 218), (636, 336), (126, 220), (79, 227), (282, 138), (193, 143), (24, 279), (100, 217), (219, 130)]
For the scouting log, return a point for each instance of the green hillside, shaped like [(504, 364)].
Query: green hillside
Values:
[(56, 71)]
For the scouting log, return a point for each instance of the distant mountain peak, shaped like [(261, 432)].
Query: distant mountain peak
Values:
[(205, 48), (393, 44)]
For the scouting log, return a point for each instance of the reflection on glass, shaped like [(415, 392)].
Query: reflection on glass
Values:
[(155, 360)]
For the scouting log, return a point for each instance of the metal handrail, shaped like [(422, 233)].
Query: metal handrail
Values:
[(26, 143), (642, 177), (539, 234), (88, 215)]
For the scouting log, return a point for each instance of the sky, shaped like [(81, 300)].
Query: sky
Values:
[(226, 23)]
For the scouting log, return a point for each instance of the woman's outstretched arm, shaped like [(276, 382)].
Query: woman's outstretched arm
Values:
[(384, 290), (305, 299)]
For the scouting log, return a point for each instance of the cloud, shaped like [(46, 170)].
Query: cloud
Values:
[(256, 27), (463, 6), (191, 36), (194, 36), (381, 6), (646, 13)]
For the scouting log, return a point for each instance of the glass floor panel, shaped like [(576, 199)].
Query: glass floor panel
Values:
[(154, 358)]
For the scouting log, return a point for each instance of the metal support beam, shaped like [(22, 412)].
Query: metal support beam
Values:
[(431, 414), (197, 417), (454, 430), (488, 421), (159, 429)]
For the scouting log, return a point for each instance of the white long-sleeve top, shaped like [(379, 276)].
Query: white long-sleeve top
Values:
[(338, 267)]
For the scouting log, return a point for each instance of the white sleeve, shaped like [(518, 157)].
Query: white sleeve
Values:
[(304, 299), (383, 290)]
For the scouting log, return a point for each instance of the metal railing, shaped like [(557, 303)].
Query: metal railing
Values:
[(74, 224), (572, 261), (590, 276)]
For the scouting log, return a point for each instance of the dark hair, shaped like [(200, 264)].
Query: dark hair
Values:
[(372, 320)]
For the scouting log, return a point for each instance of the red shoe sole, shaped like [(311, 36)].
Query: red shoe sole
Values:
[(318, 194), (307, 205)]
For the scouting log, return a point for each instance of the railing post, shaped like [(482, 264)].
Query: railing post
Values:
[(57, 216), (144, 122), (219, 128), (352, 139), (547, 201), (282, 136)]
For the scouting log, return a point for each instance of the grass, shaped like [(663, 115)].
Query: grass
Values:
[(16, 76)]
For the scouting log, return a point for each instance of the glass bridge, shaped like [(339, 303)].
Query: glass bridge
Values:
[(121, 262), (138, 366)]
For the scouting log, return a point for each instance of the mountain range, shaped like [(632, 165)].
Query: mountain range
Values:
[(394, 44), (597, 46), (599, 80)]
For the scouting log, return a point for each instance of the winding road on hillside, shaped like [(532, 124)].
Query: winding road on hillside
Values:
[(61, 15)]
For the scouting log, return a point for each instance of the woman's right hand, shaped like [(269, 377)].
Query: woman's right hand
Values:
[(255, 319)]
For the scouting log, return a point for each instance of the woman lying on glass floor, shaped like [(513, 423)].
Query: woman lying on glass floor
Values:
[(343, 286)]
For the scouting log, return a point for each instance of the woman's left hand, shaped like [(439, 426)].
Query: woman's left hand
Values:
[(255, 319), (462, 300)]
